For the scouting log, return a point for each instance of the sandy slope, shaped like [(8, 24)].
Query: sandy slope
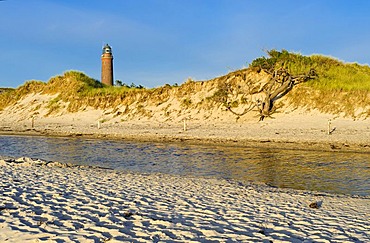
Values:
[(48, 203), (293, 129)]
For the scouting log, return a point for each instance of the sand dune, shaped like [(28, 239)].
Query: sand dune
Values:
[(50, 202)]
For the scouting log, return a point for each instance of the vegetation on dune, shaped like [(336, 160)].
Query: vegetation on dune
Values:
[(333, 74), (74, 87), (5, 90), (337, 87), (6, 98)]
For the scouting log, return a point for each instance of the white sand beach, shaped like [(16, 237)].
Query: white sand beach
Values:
[(51, 202)]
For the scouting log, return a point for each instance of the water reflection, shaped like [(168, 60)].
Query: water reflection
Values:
[(346, 173)]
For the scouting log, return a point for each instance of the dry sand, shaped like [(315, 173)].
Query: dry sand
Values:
[(307, 131), (49, 202)]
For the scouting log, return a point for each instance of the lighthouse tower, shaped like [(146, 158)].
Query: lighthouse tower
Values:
[(107, 66)]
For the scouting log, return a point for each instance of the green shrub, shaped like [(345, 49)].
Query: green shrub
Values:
[(332, 73)]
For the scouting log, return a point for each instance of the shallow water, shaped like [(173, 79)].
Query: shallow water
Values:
[(344, 173)]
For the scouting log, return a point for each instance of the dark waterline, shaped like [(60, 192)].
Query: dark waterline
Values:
[(343, 173)]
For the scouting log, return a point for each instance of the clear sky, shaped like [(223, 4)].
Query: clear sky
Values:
[(167, 41)]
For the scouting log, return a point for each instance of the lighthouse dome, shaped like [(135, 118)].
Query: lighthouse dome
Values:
[(107, 49)]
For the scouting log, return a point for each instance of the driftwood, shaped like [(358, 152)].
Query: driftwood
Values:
[(279, 84)]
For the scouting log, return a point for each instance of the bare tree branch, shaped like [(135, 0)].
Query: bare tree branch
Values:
[(281, 82)]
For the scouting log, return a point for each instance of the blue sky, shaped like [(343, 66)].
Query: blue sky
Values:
[(167, 41)]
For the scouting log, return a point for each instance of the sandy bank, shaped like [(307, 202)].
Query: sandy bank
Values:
[(52, 202), (290, 127), (307, 131)]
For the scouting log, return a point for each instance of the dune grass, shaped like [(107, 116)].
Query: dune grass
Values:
[(74, 87), (340, 87), (333, 75)]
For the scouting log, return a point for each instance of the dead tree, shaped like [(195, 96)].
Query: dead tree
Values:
[(279, 84)]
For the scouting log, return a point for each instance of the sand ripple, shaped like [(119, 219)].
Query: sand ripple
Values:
[(42, 201)]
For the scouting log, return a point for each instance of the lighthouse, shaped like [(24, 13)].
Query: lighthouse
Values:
[(107, 66)]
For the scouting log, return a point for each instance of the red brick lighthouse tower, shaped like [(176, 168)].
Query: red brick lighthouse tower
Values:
[(107, 66)]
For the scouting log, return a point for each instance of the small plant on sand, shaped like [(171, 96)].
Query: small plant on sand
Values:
[(103, 120), (185, 103), (37, 107), (53, 106)]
